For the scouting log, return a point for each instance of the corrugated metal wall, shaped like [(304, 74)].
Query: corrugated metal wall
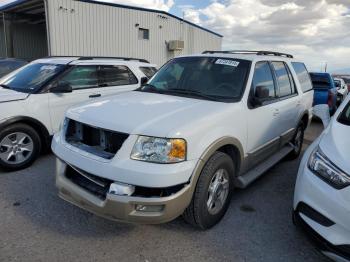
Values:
[(29, 41), (78, 28)]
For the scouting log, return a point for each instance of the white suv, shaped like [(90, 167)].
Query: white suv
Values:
[(203, 125), (33, 99)]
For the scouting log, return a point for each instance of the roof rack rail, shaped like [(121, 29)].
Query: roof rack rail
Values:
[(249, 52), (101, 57)]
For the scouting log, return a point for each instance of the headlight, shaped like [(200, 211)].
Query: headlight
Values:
[(63, 124), (325, 169), (159, 150)]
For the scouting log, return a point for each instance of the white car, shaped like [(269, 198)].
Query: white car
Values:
[(203, 125), (322, 191), (33, 99), (342, 89)]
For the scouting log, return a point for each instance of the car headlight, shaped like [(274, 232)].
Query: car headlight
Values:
[(63, 124), (320, 165), (159, 150)]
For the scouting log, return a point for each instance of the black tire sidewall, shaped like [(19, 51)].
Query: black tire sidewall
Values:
[(203, 218), (36, 145)]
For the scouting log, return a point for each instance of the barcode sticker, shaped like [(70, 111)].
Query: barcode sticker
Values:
[(227, 62)]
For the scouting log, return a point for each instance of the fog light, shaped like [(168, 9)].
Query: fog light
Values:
[(121, 189), (150, 208)]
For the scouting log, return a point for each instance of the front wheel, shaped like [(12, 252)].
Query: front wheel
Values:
[(19, 146), (213, 192)]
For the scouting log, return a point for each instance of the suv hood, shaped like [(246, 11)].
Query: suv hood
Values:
[(7, 95), (335, 143), (142, 113)]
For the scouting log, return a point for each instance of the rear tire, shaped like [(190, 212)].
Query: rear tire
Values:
[(213, 192), (20, 146), (297, 142)]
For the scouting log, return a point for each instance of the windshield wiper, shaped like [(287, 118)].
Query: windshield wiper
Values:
[(190, 92), (5, 86)]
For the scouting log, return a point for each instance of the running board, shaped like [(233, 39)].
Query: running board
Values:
[(247, 178)]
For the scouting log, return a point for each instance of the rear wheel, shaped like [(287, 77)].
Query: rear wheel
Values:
[(213, 192), (19, 147), (297, 142)]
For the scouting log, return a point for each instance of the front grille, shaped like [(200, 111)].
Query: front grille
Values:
[(97, 141), (97, 186)]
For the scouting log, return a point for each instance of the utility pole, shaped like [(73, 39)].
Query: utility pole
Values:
[(325, 67)]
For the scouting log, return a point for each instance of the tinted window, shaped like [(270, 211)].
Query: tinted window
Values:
[(321, 81), (116, 76), (201, 77), (9, 66), (263, 77), (31, 77), (82, 77), (303, 76), (148, 71), (344, 117), (283, 81)]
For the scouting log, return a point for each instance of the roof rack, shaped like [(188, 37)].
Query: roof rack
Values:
[(249, 52), (101, 57)]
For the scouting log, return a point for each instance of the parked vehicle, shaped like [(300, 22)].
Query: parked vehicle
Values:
[(322, 192), (202, 126), (342, 89), (34, 98), (325, 90), (7, 65)]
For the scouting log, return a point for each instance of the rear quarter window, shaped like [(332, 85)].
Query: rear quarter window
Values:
[(303, 76)]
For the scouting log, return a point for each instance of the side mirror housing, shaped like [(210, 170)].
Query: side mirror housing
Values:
[(144, 80), (261, 94), (62, 87), (322, 112)]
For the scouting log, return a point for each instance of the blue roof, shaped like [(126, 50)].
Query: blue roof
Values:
[(17, 2)]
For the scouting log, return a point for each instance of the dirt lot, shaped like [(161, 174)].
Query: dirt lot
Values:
[(35, 225)]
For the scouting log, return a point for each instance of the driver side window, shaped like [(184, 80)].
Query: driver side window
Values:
[(81, 77)]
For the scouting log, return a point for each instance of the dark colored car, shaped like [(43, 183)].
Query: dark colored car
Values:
[(325, 91), (7, 65)]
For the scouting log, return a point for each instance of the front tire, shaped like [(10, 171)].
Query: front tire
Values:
[(213, 192), (20, 146)]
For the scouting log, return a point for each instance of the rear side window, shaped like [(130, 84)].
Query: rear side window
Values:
[(303, 76), (81, 77), (263, 77), (148, 71), (285, 83), (116, 76)]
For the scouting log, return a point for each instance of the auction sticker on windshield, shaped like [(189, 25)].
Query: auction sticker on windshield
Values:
[(227, 62)]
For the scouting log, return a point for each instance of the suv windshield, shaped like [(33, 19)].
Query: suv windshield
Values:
[(344, 117), (7, 66), (31, 77), (219, 79), (321, 81)]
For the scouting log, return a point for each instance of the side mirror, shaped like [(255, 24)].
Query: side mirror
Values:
[(62, 87), (322, 112), (261, 94), (144, 80)]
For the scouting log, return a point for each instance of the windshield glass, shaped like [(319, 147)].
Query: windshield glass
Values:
[(9, 66), (31, 77), (344, 117), (219, 79), (321, 81)]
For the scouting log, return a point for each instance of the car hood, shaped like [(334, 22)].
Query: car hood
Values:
[(7, 95), (335, 144), (142, 113)]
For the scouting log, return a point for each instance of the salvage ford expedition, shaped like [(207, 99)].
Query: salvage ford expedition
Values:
[(179, 145)]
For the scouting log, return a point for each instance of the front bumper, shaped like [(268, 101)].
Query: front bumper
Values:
[(329, 224), (122, 208)]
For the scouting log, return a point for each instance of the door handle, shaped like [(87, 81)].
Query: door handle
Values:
[(94, 95), (298, 103), (276, 112)]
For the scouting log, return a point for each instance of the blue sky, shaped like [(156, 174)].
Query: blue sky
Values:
[(314, 31)]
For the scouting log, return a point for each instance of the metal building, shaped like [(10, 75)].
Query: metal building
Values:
[(30, 29)]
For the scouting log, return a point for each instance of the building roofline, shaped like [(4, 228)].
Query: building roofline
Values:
[(18, 2)]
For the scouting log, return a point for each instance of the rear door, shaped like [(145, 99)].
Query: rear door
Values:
[(84, 81), (115, 79), (263, 125), (289, 105)]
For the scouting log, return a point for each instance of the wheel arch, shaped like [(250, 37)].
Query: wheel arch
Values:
[(34, 123)]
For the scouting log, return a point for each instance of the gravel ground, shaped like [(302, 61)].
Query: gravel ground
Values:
[(35, 225)]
